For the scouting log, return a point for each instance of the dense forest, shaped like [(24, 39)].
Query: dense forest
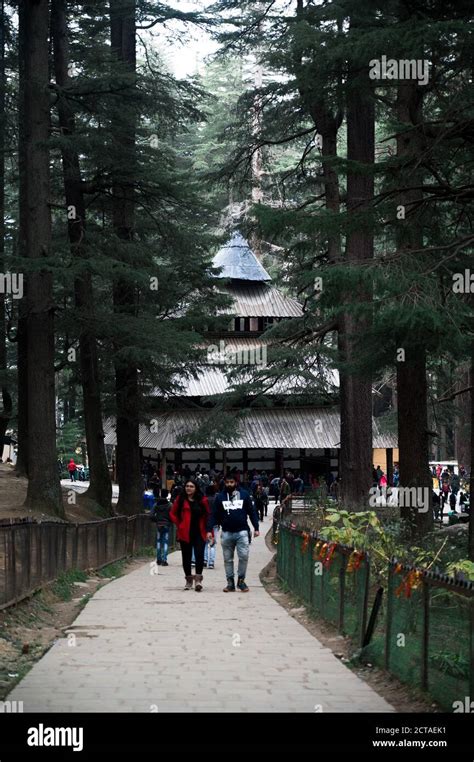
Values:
[(338, 135)]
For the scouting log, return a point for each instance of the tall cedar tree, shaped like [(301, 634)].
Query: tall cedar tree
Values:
[(7, 402), (44, 491), (413, 289), (100, 488), (21, 338), (123, 42)]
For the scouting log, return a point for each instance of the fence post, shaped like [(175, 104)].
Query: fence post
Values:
[(13, 563), (75, 546), (293, 560), (323, 590), (65, 547), (342, 589), (388, 633), (365, 600), (426, 634), (27, 555), (471, 649), (97, 545)]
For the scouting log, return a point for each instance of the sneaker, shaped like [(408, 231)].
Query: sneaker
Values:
[(230, 588), (158, 563), (205, 564), (164, 563), (210, 566), (242, 586)]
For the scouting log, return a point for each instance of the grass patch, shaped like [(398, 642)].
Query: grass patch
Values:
[(115, 569), (64, 585), (149, 551), (87, 597)]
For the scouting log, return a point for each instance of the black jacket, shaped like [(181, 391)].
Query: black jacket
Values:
[(160, 513)]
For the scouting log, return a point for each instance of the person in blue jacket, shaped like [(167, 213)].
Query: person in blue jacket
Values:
[(231, 509)]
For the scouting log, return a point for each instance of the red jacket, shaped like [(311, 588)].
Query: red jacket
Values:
[(184, 525)]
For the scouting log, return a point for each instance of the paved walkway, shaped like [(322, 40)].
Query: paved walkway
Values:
[(144, 644)]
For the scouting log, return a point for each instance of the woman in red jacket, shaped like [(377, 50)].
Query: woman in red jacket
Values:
[(190, 513)]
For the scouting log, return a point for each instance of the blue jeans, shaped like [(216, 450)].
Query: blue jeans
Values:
[(231, 541), (162, 537), (210, 550)]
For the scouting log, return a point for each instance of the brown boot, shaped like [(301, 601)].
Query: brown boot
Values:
[(189, 582), (198, 583)]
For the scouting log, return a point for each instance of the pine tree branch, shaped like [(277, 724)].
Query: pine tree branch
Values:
[(450, 397)]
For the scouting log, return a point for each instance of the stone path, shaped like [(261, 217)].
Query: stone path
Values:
[(143, 644)]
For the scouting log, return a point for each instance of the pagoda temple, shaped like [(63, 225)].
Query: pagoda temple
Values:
[(304, 439)]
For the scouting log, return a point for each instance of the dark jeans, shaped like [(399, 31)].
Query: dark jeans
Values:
[(162, 540), (187, 551)]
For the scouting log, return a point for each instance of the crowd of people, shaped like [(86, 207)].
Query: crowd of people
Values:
[(380, 478), (76, 471), (198, 516), (450, 489), (205, 502), (278, 487)]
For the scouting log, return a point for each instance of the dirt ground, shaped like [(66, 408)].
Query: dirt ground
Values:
[(400, 696), (13, 493)]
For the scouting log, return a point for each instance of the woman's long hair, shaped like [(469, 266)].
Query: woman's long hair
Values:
[(198, 496)]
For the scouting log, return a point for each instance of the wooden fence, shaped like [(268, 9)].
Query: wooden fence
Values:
[(33, 554)]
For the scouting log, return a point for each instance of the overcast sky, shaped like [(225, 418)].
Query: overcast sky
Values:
[(185, 49)]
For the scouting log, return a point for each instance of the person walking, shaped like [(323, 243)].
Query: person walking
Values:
[(71, 467), (231, 510), (445, 490), (160, 513), (190, 513), (455, 484), (211, 546), (285, 497), (261, 501)]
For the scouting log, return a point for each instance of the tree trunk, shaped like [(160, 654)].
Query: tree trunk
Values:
[(355, 386), (413, 437), (355, 391), (123, 42), (462, 403), (471, 472), (21, 338), (100, 488), (44, 491), (7, 404)]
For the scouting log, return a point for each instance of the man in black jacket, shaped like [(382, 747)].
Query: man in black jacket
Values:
[(230, 511)]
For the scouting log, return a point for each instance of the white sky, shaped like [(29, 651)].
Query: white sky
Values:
[(184, 47)]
